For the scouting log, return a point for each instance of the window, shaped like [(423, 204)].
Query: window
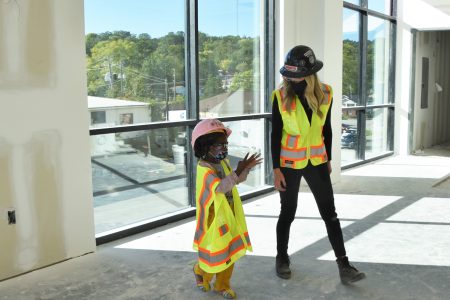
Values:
[(139, 59), (153, 78), (378, 61), (229, 57), (126, 119), (381, 6), (368, 78), (350, 86), (98, 117)]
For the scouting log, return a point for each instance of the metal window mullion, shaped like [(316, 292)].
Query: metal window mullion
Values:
[(390, 129), (361, 121), (365, 3), (394, 8), (391, 87), (379, 15), (269, 42), (191, 59), (269, 62), (192, 80), (391, 76)]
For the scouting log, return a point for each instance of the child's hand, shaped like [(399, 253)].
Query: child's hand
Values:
[(248, 162)]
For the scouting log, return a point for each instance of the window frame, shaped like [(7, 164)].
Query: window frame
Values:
[(193, 114), (362, 107)]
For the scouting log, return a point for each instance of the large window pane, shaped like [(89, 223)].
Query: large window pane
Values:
[(229, 57), (382, 6), (356, 2), (351, 59), (137, 176), (378, 47), (349, 136), (376, 132), (135, 58), (247, 137)]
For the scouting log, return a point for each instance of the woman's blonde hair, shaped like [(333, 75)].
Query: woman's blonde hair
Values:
[(313, 94)]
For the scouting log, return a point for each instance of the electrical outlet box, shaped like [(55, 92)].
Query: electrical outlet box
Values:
[(11, 217)]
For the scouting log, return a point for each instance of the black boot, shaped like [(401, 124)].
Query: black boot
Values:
[(347, 272), (282, 266)]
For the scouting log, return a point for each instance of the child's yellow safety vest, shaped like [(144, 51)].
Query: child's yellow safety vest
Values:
[(226, 239), (302, 141)]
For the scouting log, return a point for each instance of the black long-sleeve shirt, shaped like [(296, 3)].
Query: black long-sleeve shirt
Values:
[(277, 129)]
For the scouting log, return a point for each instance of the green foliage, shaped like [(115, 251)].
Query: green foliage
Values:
[(243, 80), (351, 68), (213, 86), (142, 68)]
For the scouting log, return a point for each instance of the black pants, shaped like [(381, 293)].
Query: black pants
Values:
[(319, 182)]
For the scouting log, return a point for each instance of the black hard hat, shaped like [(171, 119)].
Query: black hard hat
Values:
[(300, 62)]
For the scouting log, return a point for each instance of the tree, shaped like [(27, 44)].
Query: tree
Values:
[(109, 62), (351, 67), (243, 80), (212, 87)]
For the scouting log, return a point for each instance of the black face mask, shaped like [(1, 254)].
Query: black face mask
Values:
[(299, 87), (219, 155)]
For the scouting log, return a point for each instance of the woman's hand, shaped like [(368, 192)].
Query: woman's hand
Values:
[(248, 162), (279, 181), (329, 167)]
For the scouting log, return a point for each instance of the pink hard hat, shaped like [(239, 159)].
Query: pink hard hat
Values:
[(208, 126)]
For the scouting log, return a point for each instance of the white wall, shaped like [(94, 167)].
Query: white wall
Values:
[(317, 24), (421, 15), (429, 126), (431, 123), (45, 170), (403, 76)]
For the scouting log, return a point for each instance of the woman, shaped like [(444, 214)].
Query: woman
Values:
[(301, 147)]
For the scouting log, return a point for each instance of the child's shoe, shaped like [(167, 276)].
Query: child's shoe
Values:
[(201, 285), (227, 294)]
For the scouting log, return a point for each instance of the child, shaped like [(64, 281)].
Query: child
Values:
[(221, 236)]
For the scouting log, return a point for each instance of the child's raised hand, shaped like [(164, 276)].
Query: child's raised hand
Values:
[(248, 162)]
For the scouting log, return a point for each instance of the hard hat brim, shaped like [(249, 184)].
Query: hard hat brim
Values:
[(302, 73), (224, 129)]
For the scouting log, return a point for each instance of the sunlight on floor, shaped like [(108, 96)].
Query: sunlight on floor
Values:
[(416, 234), (406, 167)]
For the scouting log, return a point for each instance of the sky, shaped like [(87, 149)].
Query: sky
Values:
[(159, 17), (375, 26)]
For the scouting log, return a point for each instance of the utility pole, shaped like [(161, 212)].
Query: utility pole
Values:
[(167, 100), (121, 78), (110, 73), (174, 86)]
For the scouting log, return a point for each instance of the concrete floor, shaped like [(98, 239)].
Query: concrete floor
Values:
[(394, 215)]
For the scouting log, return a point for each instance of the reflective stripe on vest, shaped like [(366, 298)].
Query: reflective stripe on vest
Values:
[(222, 256), (317, 151), (292, 141), (293, 154), (205, 196)]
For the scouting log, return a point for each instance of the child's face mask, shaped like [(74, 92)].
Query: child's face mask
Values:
[(219, 151)]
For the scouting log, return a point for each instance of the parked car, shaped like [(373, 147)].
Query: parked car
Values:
[(349, 139)]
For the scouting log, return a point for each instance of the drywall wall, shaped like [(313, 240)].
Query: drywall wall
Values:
[(431, 123), (45, 174)]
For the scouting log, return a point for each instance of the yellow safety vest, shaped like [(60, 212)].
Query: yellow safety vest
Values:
[(301, 141), (226, 239)]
